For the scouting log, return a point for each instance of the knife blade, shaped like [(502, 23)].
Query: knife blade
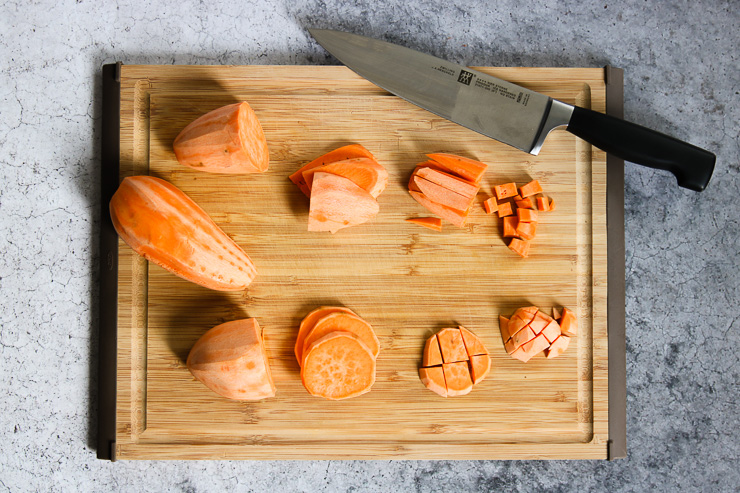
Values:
[(506, 111)]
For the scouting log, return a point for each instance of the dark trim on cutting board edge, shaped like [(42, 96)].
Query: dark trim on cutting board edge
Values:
[(617, 444), (108, 306)]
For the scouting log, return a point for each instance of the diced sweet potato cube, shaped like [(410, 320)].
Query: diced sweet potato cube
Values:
[(432, 355), (527, 215), (556, 314), (505, 191), (505, 209), (510, 347), (480, 365), (525, 203), (552, 331), (490, 205), (531, 188), (543, 204), (557, 347), (533, 347), (520, 246), (568, 323), (525, 231), (520, 319), (510, 225), (452, 346), (457, 378), (552, 205)]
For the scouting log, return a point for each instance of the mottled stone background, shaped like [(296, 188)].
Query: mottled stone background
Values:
[(683, 257)]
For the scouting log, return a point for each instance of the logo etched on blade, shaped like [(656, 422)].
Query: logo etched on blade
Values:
[(465, 77)]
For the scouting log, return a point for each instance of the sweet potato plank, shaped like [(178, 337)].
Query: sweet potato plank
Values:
[(363, 172), (442, 195), (338, 366), (346, 152), (452, 215), (434, 379), (308, 323), (337, 203), (343, 322), (457, 185), (230, 359), (434, 223), (466, 168), (163, 225), (226, 140)]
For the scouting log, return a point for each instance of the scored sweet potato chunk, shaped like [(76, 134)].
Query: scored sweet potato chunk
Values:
[(451, 345), (432, 355), (557, 347), (453, 360), (473, 345), (568, 322), (457, 378), (529, 332), (480, 365), (434, 379)]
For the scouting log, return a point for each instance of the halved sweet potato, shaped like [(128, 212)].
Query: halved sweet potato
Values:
[(166, 227)]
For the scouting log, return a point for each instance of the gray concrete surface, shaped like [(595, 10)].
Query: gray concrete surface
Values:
[(683, 253)]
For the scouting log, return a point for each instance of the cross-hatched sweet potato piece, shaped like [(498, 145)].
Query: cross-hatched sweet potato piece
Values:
[(457, 378), (552, 331), (523, 336), (451, 345), (473, 345), (503, 324), (480, 365), (434, 379), (557, 347), (539, 322), (568, 323), (432, 355)]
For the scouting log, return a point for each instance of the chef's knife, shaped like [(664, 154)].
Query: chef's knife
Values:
[(508, 112)]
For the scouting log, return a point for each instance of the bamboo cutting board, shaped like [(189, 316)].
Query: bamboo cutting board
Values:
[(407, 281)]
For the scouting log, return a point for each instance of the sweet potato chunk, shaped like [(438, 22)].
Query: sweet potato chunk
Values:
[(434, 379), (451, 345)]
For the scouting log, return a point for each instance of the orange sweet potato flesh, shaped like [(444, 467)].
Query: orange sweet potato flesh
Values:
[(473, 345), (568, 322), (555, 313), (434, 223), (520, 246), (510, 226), (454, 216), (231, 360), (442, 195), (524, 203), (521, 319), (539, 322), (162, 224), (434, 379), (523, 336), (503, 324), (226, 140), (490, 205), (432, 355), (505, 191), (542, 204), (526, 231), (527, 215), (505, 209), (337, 203), (480, 365), (551, 206), (363, 172), (346, 152), (557, 347), (452, 346), (448, 181), (466, 168), (343, 322), (457, 378), (531, 188), (308, 323), (552, 331), (530, 349), (338, 366)]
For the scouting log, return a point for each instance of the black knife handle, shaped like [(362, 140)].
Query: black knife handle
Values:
[(692, 165)]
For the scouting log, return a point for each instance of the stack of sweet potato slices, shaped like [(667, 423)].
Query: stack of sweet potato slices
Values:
[(447, 185), (454, 360), (336, 350), (343, 186), (529, 332)]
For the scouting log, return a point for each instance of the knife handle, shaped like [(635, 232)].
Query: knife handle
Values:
[(692, 165)]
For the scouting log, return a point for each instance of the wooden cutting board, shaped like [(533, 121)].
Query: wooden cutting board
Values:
[(407, 281)]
